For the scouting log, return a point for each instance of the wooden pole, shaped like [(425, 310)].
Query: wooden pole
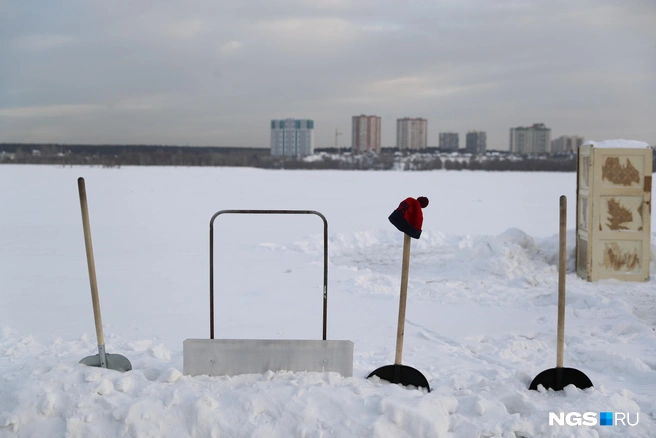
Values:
[(404, 293), (92, 271), (562, 270)]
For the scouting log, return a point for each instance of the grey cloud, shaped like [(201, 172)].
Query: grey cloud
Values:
[(215, 73)]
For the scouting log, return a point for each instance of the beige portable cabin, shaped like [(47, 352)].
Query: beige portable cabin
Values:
[(613, 214)]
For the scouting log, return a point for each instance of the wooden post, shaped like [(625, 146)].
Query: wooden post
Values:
[(404, 293), (562, 271), (92, 271)]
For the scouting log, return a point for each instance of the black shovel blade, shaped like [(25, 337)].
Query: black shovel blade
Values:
[(405, 375), (114, 362), (558, 378)]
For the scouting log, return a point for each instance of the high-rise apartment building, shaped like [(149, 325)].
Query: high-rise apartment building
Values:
[(292, 137), (365, 134), (566, 144), (475, 142), (535, 139), (449, 141), (411, 133)]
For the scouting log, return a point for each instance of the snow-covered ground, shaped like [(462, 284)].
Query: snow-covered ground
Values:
[(481, 316)]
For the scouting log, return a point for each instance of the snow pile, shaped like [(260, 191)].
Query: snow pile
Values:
[(618, 144)]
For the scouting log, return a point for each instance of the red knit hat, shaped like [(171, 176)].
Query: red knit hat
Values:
[(423, 201)]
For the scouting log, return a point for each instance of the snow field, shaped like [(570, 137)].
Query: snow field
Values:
[(481, 317)]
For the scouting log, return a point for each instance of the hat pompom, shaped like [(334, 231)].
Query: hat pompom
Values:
[(423, 201)]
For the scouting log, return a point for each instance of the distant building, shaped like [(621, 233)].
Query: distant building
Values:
[(411, 133), (365, 134), (476, 142), (292, 137), (566, 144), (449, 141), (535, 139)]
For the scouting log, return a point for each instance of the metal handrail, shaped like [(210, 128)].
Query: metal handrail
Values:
[(325, 257)]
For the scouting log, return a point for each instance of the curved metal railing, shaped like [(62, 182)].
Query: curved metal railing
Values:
[(325, 257)]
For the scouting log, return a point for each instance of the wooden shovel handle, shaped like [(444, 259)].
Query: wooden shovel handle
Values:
[(400, 330), (562, 270), (90, 262)]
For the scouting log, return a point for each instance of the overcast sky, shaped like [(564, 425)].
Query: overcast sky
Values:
[(215, 72)]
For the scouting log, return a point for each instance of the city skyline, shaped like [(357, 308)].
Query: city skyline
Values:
[(411, 133), (213, 73)]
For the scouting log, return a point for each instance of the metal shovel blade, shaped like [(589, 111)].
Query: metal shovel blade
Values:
[(113, 361), (559, 377), (405, 375)]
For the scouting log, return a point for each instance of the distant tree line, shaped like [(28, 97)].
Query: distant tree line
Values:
[(130, 155), (388, 159)]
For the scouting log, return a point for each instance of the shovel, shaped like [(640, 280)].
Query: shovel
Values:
[(559, 377), (397, 373), (102, 359)]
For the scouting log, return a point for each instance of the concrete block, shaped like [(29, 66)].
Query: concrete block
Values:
[(229, 357)]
